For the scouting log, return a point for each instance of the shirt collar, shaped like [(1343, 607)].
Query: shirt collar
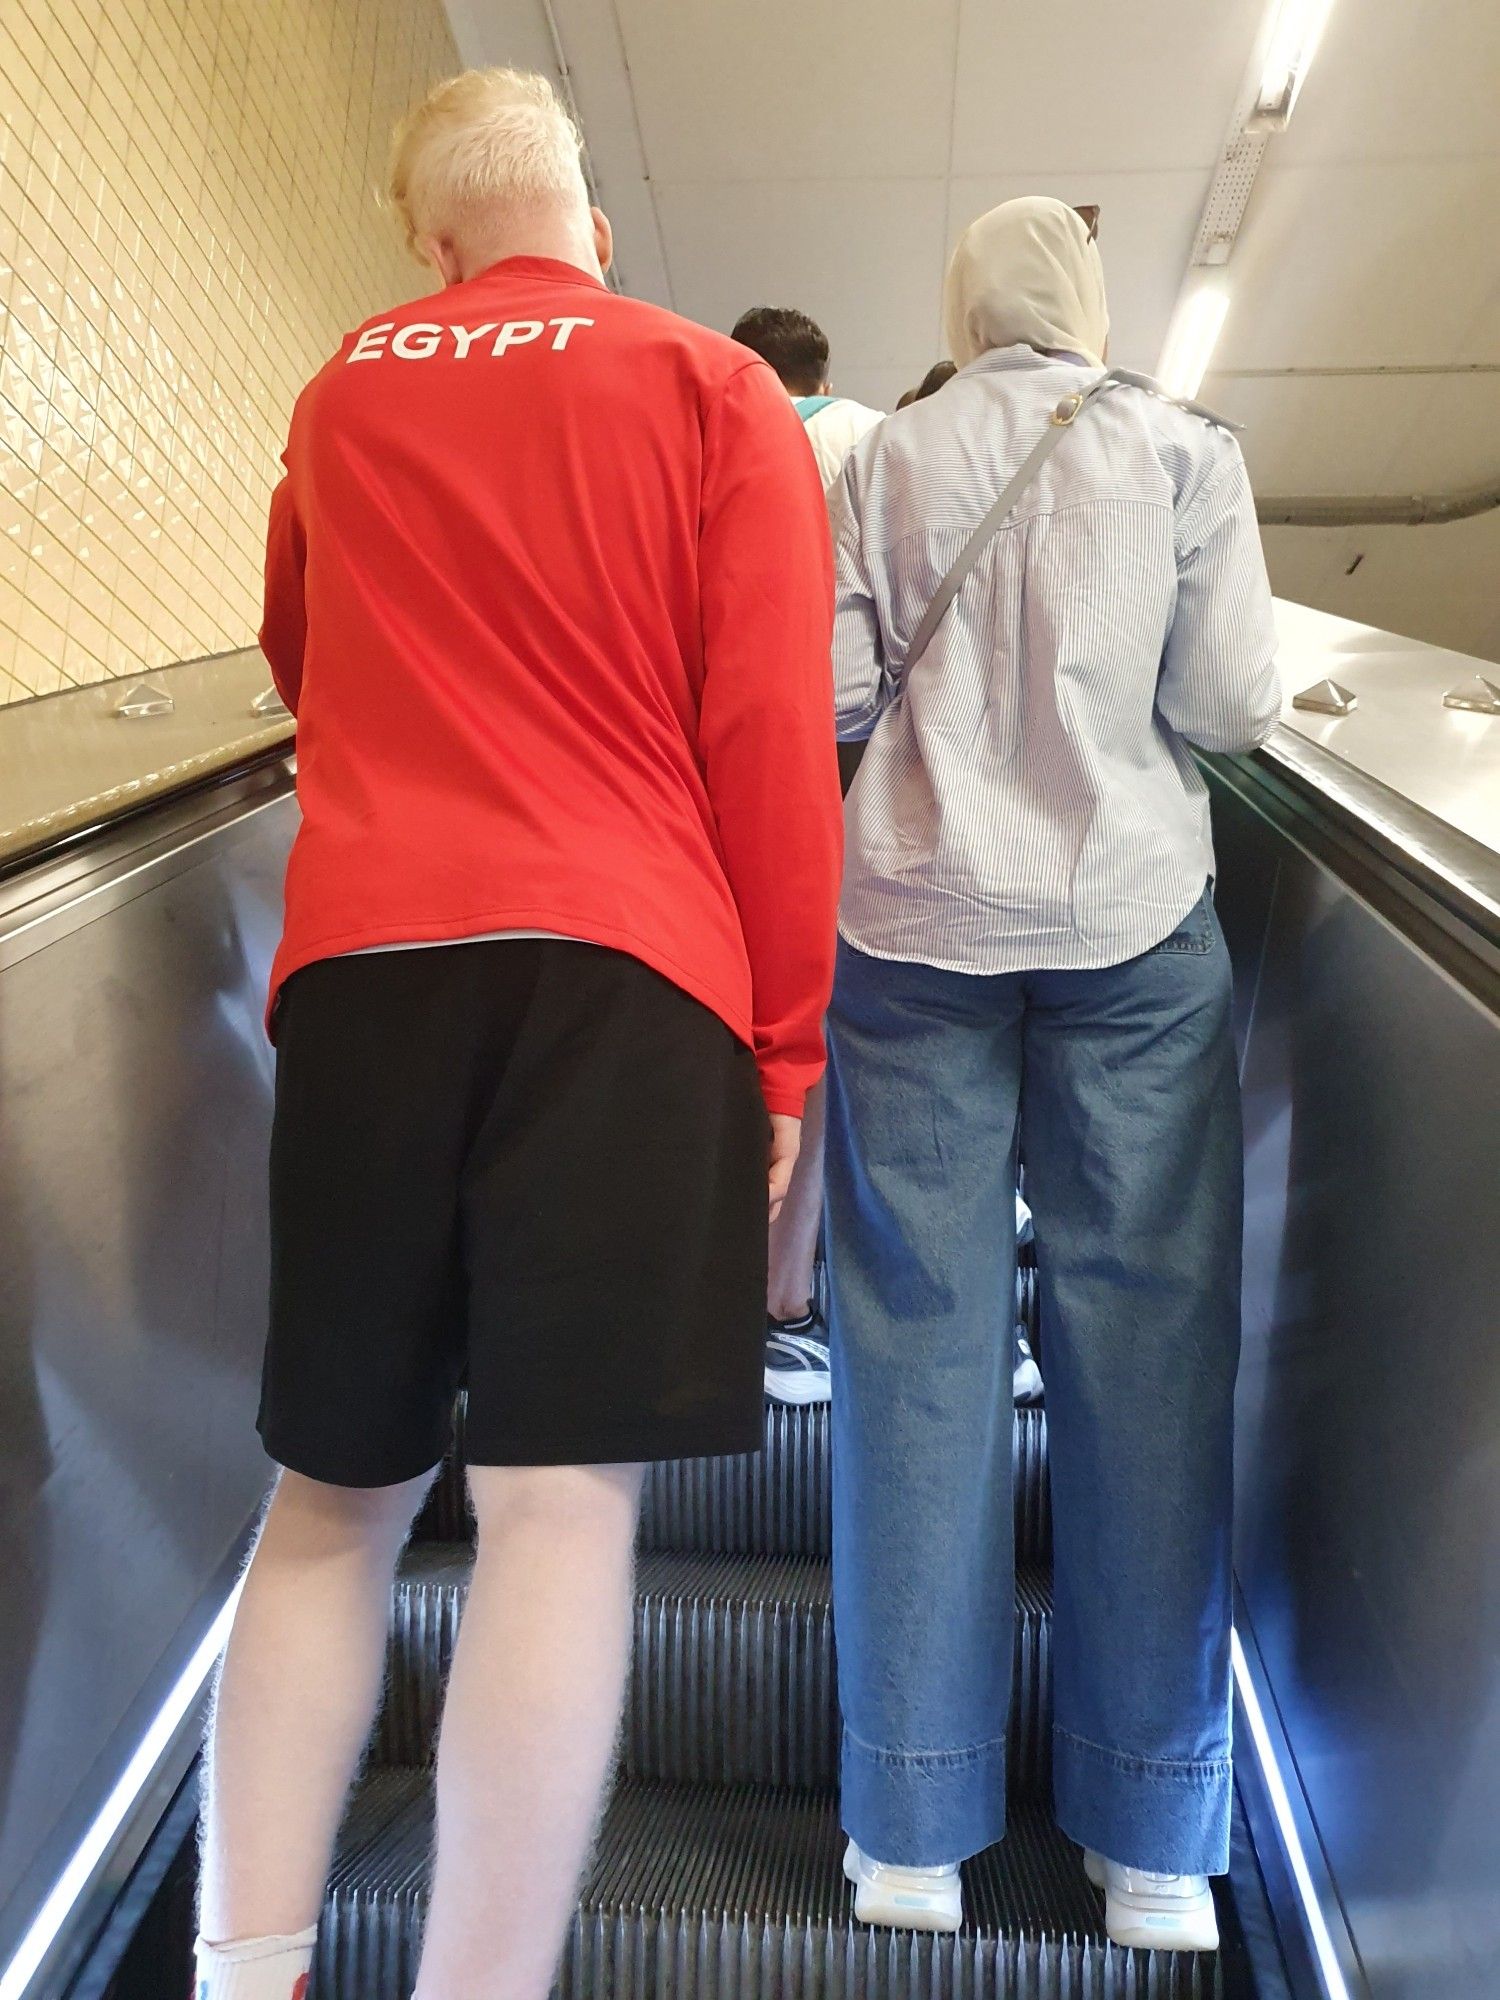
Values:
[(1020, 356), (554, 268)]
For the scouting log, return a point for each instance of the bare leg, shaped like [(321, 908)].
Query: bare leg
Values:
[(530, 1725), (794, 1233), (296, 1698)]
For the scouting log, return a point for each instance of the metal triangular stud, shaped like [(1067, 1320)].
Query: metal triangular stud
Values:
[(143, 699), (269, 702), (1326, 698), (1479, 696)]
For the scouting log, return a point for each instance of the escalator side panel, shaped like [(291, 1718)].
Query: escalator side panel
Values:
[(1369, 1407), (135, 1096)]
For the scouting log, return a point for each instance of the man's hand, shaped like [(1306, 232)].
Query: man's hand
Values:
[(786, 1143)]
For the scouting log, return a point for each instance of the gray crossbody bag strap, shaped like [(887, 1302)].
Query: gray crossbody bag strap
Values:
[(1058, 425)]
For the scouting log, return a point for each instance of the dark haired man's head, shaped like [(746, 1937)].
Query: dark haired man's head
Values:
[(795, 346), (939, 373)]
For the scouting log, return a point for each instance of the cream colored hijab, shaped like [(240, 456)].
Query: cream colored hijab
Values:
[(1026, 272)]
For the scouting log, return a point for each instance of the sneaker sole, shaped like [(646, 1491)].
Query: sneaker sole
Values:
[(1196, 1928), (901, 1913), (815, 1388), (1189, 1932)]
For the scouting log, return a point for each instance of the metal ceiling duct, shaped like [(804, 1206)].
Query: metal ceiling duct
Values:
[(1378, 510)]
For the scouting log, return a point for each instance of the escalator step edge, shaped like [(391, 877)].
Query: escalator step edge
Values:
[(733, 1676), (739, 1895), (776, 1502)]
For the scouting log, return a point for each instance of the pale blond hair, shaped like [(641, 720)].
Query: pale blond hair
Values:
[(477, 145)]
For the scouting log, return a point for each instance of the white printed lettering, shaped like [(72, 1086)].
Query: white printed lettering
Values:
[(417, 342), (465, 336), (565, 331), (371, 342), (515, 333)]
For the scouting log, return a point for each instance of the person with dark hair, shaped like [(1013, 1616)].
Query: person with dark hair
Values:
[(794, 344), (797, 348), (939, 373)]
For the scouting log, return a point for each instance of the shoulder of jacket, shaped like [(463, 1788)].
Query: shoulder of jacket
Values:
[(1148, 385)]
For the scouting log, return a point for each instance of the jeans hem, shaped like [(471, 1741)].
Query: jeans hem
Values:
[(922, 1809), (1168, 1815)]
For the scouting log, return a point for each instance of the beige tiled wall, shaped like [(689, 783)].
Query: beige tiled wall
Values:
[(187, 226)]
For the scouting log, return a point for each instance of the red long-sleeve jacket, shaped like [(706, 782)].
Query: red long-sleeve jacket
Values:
[(548, 587)]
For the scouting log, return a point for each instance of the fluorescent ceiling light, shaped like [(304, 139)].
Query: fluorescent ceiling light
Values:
[(1193, 335), (1294, 42), (29, 1955), (1335, 1986)]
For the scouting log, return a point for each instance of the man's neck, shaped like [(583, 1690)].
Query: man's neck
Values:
[(560, 239)]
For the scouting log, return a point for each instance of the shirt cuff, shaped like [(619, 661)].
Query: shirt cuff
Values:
[(782, 1100)]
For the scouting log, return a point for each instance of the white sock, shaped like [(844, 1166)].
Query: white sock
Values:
[(264, 1968)]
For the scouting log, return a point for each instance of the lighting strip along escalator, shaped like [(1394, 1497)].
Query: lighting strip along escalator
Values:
[(718, 1873)]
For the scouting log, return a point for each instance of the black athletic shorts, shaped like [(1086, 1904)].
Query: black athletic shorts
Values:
[(533, 1166)]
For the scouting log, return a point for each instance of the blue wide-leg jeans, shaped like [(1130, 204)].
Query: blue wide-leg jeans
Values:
[(1124, 1082)]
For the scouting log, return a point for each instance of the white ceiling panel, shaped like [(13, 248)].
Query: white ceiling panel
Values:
[(1146, 227), (792, 91), (826, 153), (865, 261), (1481, 338), (1345, 266), (1325, 434), (1065, 86), (1400, 79)]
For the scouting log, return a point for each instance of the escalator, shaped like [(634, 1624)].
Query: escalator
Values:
[(1360, 892), (718, 1870)]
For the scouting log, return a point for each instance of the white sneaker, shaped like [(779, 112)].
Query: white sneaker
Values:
[(1024, 1229), (905, 1899), (1155, 1912)]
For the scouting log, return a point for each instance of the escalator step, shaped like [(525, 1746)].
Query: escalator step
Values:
[(739, 1895), (773, 1502), (777, 1501), (734, 1677)]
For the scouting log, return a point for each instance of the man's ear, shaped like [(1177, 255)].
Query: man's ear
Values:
[(438, 251), (604, 238)]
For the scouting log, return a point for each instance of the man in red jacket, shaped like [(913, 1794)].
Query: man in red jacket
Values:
[(548, 586)]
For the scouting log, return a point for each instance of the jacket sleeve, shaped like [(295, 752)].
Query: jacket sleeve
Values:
[(862, 688), (766, 718), (283, 632), (1219, 686)]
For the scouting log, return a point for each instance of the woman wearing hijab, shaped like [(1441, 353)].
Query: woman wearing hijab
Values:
[(1028, 944)]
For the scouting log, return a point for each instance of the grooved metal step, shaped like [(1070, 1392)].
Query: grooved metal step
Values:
[(739, 1895), (774, 1502), (734, 1677)]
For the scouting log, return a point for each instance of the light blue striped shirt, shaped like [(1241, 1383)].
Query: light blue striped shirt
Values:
[(1028, 799)]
